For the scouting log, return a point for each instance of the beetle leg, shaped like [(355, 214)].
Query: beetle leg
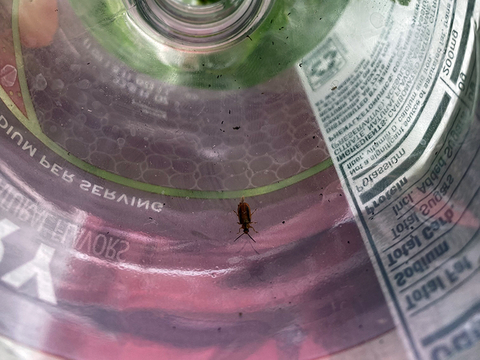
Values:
[(251, 227), (253, 212)]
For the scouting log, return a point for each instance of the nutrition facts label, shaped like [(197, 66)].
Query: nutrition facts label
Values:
[(394, 94)]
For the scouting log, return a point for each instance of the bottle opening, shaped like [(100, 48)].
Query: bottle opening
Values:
[(198, 25), (198, 2)]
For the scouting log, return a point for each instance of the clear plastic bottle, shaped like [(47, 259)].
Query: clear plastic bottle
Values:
[(131, 130)]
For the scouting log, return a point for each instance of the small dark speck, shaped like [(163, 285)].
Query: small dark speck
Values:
[(222, 122), (209, 85), (203, 64), (320, 19), (288, 14), (283, 222), (108, 232), (348, 242), (163, 204), (174, 327), (340, 194), (150, 218), (289, 302), (236, 127), (248, 36), (240, 314), (273, 43), (313, 137), (219, 329), (283, 27), (68, 153), (334, 88), (271, 21), (229, 111), (300, 64), (328, 200), (56, 10), (286, 37), (321, 194), (360, 326), (88, 63)]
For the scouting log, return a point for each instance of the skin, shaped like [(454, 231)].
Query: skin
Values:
[(38, 22)]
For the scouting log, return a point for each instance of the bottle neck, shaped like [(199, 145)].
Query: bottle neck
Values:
[(206, 28)]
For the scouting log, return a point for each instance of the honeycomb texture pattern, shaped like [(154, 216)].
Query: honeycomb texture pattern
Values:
[(140, 128)]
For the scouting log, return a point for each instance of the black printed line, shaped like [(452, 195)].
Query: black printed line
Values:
[(413, 158)]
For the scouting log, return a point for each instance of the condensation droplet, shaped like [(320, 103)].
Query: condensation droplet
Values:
[(75, 67), (40, 82), (83, 84), (57, 84), (377, 20), (8, 76)]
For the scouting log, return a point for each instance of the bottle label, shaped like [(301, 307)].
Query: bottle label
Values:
[(394, 93)]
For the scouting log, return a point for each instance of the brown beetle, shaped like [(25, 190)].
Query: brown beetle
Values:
[(245, 220)]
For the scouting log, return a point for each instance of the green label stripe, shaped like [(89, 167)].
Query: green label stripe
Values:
[(31, 123)]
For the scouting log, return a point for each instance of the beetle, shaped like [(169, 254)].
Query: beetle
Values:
[(245, 220)]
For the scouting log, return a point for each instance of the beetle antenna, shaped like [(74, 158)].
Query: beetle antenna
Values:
[(251, 237), (239, 236), (253, 247), (243, 247)]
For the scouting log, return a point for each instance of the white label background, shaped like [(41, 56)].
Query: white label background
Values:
[(392, 88)]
